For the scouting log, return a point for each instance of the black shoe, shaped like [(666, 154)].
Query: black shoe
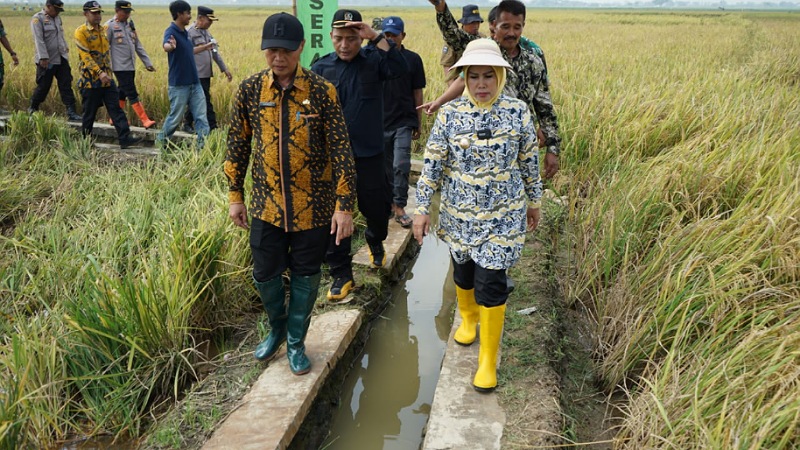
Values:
[(377, 255), (129, 141), (188, 129), (31, 110), (72, 115), (340, 287)]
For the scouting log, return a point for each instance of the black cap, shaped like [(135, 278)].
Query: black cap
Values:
[(206, 11), (58, 4), (123, 5), (92, 6), (342, 16), (282, 31), (470, 14)]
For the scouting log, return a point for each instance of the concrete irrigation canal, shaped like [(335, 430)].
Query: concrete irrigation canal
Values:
[(385, 372)]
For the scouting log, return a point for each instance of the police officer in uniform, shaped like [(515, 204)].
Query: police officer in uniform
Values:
[(96, 82), (125, 46), (205, 49), (51, 56)]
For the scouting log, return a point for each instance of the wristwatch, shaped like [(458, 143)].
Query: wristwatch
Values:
[(377, 39)]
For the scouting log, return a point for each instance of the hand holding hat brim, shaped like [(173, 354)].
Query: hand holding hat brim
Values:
[(346, 24)]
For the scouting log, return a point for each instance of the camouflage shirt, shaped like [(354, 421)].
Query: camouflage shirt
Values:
[(527, 82), (528, 79)]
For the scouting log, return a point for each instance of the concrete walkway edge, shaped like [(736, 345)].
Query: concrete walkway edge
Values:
[(269, 416), (461, 418)]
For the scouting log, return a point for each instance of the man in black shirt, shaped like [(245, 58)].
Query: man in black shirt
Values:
[(401, 120), (358, 74)]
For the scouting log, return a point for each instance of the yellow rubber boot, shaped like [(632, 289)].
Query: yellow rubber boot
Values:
[(492, 320), (465, 334)]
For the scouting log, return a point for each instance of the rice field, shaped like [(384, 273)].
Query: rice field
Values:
[(680, 160)]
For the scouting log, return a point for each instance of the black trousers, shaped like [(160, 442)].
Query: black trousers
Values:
[(127, 85), (44, 79), (93, 99), (275, 250), (212, 116), (489, 284), (373, 192)]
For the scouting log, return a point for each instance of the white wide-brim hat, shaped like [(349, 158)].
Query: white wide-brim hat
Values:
[(482, 52)]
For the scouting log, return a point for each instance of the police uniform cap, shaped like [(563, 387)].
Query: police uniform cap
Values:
[(58, 4), (92, 6), (206, 11), (342, 16), (123, 5)]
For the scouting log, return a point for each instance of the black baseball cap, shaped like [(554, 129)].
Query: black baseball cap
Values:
[(92, 6), (470, 14), (123, 5), (342, 16), (282, 30), (206, 11)]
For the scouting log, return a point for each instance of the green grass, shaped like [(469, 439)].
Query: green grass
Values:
[(679, 162)]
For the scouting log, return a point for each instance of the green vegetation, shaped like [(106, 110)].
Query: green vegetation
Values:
[(681, 168), (111, 275), (685, 180)]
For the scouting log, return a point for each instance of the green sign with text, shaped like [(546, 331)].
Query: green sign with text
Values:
[(316, 17)]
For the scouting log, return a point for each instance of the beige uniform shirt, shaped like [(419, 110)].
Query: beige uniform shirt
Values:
[(48, 38), (125, 45)]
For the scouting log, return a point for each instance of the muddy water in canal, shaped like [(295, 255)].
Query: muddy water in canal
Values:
[(388, 393)]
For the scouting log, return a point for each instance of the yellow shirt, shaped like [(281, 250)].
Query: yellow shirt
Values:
[(95, 58)]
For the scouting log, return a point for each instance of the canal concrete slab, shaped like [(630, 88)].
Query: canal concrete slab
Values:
[(396, 241), (461, 418), (269, 416), (106, 130)]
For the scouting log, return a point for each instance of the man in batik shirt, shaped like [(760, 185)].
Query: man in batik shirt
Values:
[(288, 122)]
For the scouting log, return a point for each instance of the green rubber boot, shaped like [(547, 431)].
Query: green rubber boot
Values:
[(302, 295), (273, 296)]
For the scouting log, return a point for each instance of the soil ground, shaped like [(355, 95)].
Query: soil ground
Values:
[(547, 355)]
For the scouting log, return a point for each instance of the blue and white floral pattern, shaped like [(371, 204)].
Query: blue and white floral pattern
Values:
[(484, 180)]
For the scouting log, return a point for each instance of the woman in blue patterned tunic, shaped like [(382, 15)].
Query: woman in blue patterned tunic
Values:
[(482, 154)]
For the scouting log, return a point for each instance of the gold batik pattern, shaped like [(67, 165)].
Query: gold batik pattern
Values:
[(302, 163)]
